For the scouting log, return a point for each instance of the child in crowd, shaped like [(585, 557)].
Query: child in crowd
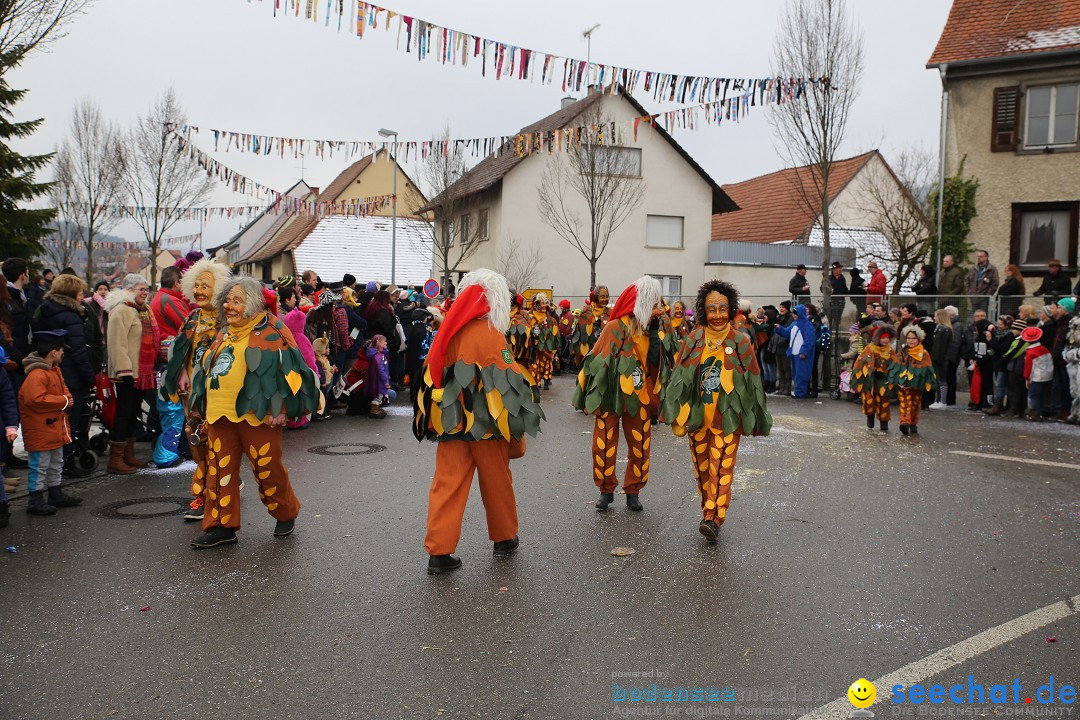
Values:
[(378, 381), (321, 347), (913, 374), (871, 376), (1038, 371), (43, 403), (9, 419)]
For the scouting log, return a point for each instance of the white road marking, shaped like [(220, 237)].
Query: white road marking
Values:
[(789, 431), (1030, 461), (954, 655)]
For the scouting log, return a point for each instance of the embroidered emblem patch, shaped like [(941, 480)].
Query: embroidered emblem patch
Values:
[(710, 378), (507, 357), (639, 378), (222, 366)]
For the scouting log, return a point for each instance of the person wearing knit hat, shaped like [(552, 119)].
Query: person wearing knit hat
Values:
[(619, 382), (202, 283), (714, 395), (591, 319), (912, 372), (285, 281), (479, 405), (870, 376), (1068, 304)]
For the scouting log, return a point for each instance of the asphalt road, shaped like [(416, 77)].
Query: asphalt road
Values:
[(846, 554)]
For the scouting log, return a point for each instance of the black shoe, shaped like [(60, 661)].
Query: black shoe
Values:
[(903, 429), (16, 462), (913, 429), (58, 498), (884, 426), (547, 384), (870, 421), (195, 510), (5, 515), (284, 527), (213, 537), (38, 505), (709, 529), (633, 503), (605, 500), (505, 547), (438, 564)]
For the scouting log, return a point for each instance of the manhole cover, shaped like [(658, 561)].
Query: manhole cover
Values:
[(119, 510), (347, 449)]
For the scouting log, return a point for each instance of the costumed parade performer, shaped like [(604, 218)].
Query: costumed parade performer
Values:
[(590, 321), (544, 336), (912, 373), (517, 335), (680, 328), (870, 376), (478, 404), (802, 344), (619, 382), (253, 378), (715, 395), (202, 284)]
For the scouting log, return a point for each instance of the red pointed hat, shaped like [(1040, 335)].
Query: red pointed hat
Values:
[(470, 304), (625, 304)]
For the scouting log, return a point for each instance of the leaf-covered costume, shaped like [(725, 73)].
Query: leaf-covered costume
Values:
[(545, 339), (620, 382), (484, 394), (870, 378), (276, 378), (680, 328), (519, 339), (714, 394), (912, 372), (590, 323)]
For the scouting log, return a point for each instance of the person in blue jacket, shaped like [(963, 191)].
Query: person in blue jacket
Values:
[(802, 343), (9, 421)]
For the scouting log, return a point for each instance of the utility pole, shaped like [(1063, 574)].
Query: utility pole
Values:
[(588, 56)]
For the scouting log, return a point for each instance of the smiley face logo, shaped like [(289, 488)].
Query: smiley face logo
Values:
[(862, 693)]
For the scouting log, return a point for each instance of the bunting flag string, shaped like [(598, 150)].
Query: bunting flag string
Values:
[(731, 109), (427, 40), (180, 240), (282, 204)]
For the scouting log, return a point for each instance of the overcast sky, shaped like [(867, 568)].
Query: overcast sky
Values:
[(235, 66)]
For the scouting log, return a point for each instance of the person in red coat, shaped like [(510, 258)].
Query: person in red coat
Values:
[(878, 285), (169, 306)]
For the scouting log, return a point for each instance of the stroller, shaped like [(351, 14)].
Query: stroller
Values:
[(88, 448)]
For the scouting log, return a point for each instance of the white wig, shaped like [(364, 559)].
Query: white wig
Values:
[(540, 298), (219, 271), (133, 280), (497, 293), (254, 300), (649, 295), (908, 329), (744, 305)]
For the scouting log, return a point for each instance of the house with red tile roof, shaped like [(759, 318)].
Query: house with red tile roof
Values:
[(1010, 72), (783, 208), (667, 235)]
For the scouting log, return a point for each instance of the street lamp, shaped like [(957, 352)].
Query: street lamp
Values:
[(393, 222)]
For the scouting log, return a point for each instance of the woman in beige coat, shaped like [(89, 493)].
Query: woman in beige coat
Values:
[(133, 347)]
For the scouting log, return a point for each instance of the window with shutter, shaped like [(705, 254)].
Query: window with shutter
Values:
[(1006, 116)]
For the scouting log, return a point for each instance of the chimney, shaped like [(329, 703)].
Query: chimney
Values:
[(315, 191), (567, 102)]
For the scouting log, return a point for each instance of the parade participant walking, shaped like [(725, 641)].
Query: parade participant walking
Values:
[(912, 373), (202, 284), (590, 322), (479, 428), (870, 376), (253, 378), (133, 345), (43, 403), (619, 383), (679, 326), (544, 336), (714, 394), (517, 336), (802, 344)]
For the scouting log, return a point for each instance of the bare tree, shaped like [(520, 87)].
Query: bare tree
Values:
[(607, 178), (816, 39), (89, 177), (893, 200), (519, 263), (159, 180), (29, 24), (61, 246), (455, 233)]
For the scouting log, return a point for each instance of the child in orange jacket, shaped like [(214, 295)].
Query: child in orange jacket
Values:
[(43, 403)]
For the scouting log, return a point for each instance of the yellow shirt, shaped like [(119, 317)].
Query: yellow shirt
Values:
[(225, 377), (712, 364)]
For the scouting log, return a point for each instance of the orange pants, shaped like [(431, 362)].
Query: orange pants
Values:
[(226, 444), (198, 480), (877, 404), (543, 364), (714, 464), (910, 406), (606, 447), (455, 461)]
